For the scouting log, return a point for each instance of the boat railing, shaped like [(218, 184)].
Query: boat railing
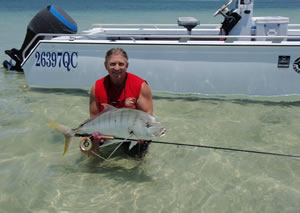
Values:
[(152, 26), (221, 39), (168, 26), (294, 26)]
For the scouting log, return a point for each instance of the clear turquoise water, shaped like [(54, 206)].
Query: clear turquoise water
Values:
[(34, 177)]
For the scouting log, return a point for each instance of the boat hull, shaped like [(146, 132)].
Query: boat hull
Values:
[(182, 67)]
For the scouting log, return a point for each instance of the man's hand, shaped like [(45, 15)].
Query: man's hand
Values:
[(140, 141), (97, 139)]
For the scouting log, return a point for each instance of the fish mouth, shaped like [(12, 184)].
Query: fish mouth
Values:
[(162, 132)]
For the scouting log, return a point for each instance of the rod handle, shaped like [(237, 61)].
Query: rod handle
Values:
[(106, 137)]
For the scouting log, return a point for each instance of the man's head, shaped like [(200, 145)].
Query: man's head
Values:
[(116, 63), (116, 51)]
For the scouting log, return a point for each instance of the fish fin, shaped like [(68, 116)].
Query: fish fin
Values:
[(108, 107), (108, 143), (118, 146), (66, 131), (132, 144), (67, 144)]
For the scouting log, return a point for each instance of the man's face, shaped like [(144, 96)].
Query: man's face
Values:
[(116, 66)]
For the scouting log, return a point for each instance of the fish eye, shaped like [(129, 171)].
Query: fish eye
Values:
[(148, 124)]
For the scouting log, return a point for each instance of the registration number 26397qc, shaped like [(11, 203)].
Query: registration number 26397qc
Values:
[(67, 60)]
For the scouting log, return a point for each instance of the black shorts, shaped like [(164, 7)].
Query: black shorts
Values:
[(138, 151)]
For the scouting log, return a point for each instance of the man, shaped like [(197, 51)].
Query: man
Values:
[(120, 89)]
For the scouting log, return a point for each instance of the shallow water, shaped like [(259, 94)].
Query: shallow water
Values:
[(36, 178)]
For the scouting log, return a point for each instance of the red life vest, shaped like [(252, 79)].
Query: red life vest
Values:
[(119, 97)]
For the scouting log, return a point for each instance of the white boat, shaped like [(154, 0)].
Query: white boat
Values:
[(242, 55)]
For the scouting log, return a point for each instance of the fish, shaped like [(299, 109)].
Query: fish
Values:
[(122, 122)]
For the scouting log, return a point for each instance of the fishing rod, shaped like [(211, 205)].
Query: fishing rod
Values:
[(197, 146)]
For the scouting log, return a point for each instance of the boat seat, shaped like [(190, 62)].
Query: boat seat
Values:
[(188, 22)]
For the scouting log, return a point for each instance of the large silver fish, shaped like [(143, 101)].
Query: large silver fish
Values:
[(124, 122)]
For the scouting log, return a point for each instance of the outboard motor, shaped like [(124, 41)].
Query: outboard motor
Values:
[(51, 19)]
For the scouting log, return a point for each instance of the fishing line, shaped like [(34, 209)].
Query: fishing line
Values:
[(202, 146), (99, 156)]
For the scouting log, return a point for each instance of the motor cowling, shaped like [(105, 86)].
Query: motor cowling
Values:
[(51, 19)]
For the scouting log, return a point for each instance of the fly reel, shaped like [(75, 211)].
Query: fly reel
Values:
[(85, 145)]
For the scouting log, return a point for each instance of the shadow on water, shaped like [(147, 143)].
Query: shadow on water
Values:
[(115, 170), (281, 101), (65, 91), (120, 168)]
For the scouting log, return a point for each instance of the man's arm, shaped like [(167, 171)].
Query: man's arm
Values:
[(94, 106), (144, 101)]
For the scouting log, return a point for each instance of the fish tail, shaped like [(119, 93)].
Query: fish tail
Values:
[(66, 131)]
